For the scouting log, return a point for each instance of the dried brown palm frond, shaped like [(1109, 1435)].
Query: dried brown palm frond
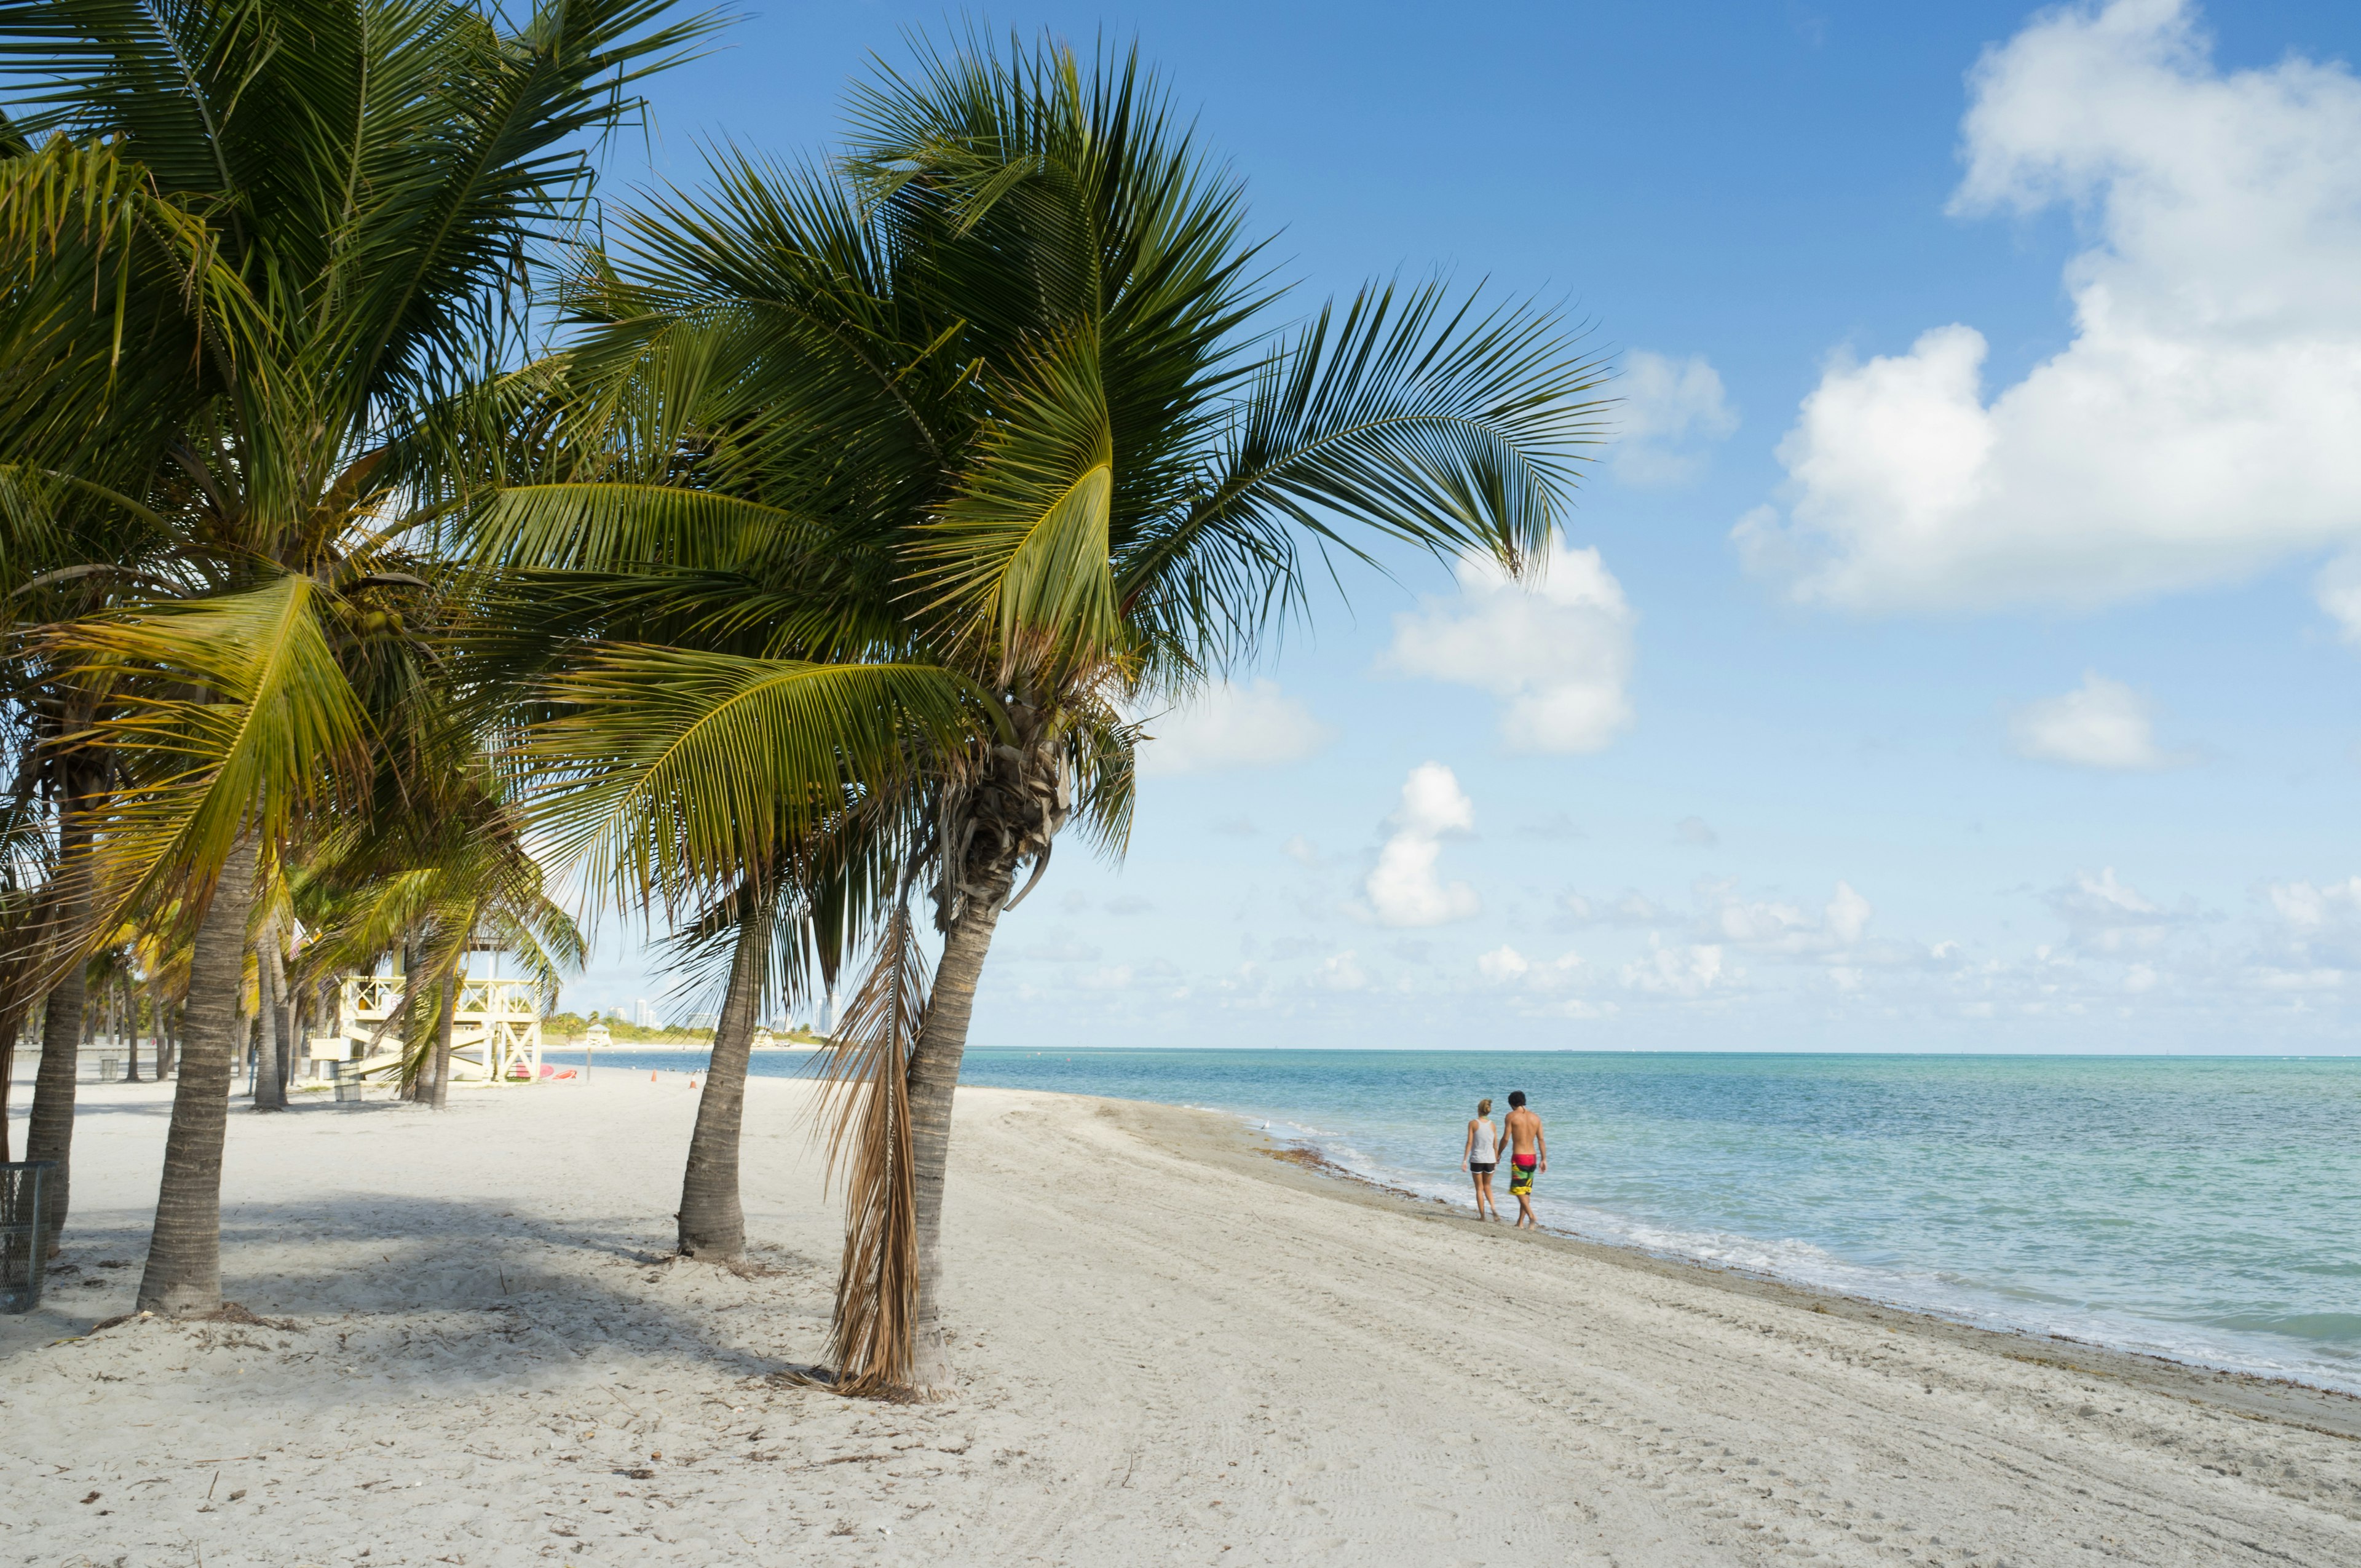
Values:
[(865, 1110)]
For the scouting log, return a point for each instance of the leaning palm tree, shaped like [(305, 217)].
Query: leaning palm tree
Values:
[(245, 247), (1003, 391)]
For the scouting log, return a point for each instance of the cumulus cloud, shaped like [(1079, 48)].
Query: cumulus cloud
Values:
[(1342, 972), (1672, 410), (1774, 926), (2198, 428), (1506, 966), (1226, 726), (2339, 590), (1404, 888), (1558, 651), (2100, 724), (2307, 906), (2107, 914), (1678, 971)]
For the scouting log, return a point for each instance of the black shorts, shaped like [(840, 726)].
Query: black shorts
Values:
[(1481, 1169)]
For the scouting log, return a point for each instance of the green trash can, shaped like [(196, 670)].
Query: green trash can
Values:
[(24, 1232), (348, 1083)]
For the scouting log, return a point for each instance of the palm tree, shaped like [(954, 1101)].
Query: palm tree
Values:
[(1003, 392), (247, 248)]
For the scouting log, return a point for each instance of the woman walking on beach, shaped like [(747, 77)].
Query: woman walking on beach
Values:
[(1482, 1153)]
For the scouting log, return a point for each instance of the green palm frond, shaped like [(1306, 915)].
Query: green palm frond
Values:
[(1457, 429), (236, 714), (669, 770), (1024, 545)]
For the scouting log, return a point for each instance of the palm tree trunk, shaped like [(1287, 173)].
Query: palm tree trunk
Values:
[(9, 1025), (168, 1050), (270, 1084), (285, 999), (299, 1059), (421, 1087), (712, 1220), (184, 1275), (934, 1074), (130, 1007), (49, 1133), (442, 1025)]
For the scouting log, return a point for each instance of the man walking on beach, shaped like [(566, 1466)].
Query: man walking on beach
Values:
[(1528, 1155)]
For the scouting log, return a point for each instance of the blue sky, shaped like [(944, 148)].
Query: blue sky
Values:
[(1955, 652)]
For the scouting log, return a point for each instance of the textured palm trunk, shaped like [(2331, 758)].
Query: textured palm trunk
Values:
[(10, 1025), (445, 1008), (184, 1275), (712, 1217), (130, 1006), (934, 1075), (269, 1083), (48, 1133), (421, 1087), (168, 1050)]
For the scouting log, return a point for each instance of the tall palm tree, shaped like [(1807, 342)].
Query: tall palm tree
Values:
[(256, 243), (1003, 391)]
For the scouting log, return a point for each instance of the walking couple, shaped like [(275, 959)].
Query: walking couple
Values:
[(1528, 1156)]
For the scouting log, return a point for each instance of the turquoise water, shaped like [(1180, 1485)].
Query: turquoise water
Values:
[(2202, 1208)]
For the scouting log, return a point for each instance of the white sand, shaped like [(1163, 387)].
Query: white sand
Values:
[(1175, 1350)]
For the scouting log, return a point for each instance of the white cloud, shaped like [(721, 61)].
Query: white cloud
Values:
[(2307, 908), (1342, 972), (1506, 966), (1403, 889), (1252, 726), (1847, 914), (2199, 425), (1772, 926), (2109, 915), (1672, 408), (1558, 650), (1678, 971), (2100, 724), (1501, 964), (1109, 977), (2339, 590), (1698, 831)]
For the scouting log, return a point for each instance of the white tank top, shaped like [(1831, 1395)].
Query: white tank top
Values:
[(1483, 1152)]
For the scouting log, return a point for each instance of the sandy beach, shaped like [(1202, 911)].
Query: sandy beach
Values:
[(1174, 1349)]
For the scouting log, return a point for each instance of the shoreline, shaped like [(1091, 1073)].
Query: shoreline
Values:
[(2327, 1409), (472, 1341)]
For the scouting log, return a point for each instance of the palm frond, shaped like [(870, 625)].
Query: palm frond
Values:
[(669, 770), (865, 1112), (238, 714)]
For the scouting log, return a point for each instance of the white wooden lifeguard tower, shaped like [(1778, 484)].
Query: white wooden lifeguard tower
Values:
[(495, 1029)]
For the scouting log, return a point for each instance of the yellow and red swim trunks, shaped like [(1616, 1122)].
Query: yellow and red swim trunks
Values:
[(1521, 1177)]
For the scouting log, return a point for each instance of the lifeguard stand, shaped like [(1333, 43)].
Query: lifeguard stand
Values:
[(495, 1029)]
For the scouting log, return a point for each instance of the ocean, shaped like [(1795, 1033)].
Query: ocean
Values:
[(2206, 1208)]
